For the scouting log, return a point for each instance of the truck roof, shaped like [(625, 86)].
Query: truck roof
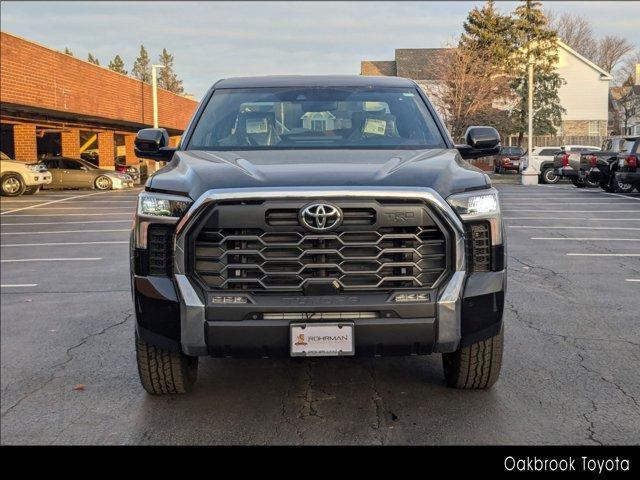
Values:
[(313, 81)]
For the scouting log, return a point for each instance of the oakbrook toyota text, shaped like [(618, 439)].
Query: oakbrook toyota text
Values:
[(317, 216)]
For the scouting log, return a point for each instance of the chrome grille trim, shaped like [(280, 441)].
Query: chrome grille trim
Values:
[(449, 300)]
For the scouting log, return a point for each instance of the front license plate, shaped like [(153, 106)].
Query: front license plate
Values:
[(322, 339)]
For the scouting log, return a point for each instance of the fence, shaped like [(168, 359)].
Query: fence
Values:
[(555, 141)]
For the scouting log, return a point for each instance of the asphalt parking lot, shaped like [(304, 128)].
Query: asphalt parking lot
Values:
[(570, 371)]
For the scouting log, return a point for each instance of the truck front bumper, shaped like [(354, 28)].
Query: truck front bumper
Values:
[(175, 313), (468, 310)]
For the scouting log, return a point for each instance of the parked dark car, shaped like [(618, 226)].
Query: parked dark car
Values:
[(317, 216), (602, 166), (628, 169), (77, 173), (508, 159)]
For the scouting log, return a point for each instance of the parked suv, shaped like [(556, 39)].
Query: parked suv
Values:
[(317, 216), (17, 178)]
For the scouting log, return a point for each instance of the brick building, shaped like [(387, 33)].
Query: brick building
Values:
[(53, 103)]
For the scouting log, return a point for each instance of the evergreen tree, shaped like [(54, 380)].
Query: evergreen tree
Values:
[(535, 40), (92, 59), (487, 30), (117, 65), (67, 51), (142, 66), (167, 78)]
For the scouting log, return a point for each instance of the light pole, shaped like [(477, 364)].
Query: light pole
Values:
[(530, 174), (154, 90)]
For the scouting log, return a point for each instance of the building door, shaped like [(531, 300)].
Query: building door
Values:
[(6, 140), (49, 144)]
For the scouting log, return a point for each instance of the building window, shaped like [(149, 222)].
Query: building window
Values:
[(594, 127)]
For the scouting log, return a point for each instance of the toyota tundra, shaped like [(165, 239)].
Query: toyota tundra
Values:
[(317, 216)]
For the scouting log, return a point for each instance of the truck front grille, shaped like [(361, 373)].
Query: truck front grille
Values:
[(280, 256)]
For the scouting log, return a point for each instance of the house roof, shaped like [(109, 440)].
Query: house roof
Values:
[(605, 75), (313, 81), (418, 63)]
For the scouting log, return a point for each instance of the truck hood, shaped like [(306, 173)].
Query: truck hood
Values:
[(194, 172)]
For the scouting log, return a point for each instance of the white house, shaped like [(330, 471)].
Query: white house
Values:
[(584, 96)]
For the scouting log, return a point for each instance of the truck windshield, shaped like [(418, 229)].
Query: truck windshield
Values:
[(315, 118)]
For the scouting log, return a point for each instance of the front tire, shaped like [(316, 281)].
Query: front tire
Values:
[(578, 183), (163, 371), (549, 176), (103, 183), (12, 185), (474, 367)]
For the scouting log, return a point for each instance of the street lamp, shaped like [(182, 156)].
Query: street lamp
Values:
[(154, 90), (530, 174)]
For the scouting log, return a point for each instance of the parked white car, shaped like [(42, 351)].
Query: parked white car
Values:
[(542, 159), (17, 177)]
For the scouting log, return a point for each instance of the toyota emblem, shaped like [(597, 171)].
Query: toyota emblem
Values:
[(320, 217)]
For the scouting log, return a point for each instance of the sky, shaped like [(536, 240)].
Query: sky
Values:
[(213, 40)]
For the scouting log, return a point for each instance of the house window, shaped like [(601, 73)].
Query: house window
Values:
[(318, 125), (594, 127)]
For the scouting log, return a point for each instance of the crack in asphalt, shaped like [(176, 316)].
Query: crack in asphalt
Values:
[(567, 339), (610, 382), (68, 359), (378, 403)]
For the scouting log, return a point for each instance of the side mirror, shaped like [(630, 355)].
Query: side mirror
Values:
[(152, 143), (481, 142)]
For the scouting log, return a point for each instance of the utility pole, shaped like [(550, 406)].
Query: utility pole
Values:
[(154, 90), (530, 174)]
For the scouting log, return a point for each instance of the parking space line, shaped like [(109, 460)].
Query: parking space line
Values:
[(604, 254), (575, 218), (570, 211), (77, 201), (60, 243), (19, 285), (73, 259), (52, 202), (632, 279), (66, 223), (587, 239), (66, 231), (69, 214), (612, 202), (86, 208), (558, 227)]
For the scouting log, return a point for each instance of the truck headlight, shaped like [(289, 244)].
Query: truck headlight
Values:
[(478, 206), (162, 205), (475, 203)]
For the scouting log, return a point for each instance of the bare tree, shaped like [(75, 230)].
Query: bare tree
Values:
[(467, 89), (626, 74), (611, 50), (576, 32)]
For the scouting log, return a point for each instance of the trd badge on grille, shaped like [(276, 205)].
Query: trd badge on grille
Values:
[(320, 217)]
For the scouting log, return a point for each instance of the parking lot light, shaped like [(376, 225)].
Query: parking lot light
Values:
[(530, 174), (154, 89)]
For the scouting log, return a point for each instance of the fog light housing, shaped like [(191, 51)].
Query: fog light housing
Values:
[(229, 299), (411, 297)]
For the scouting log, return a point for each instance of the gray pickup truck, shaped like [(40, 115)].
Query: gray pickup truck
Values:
[(317, 216)]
